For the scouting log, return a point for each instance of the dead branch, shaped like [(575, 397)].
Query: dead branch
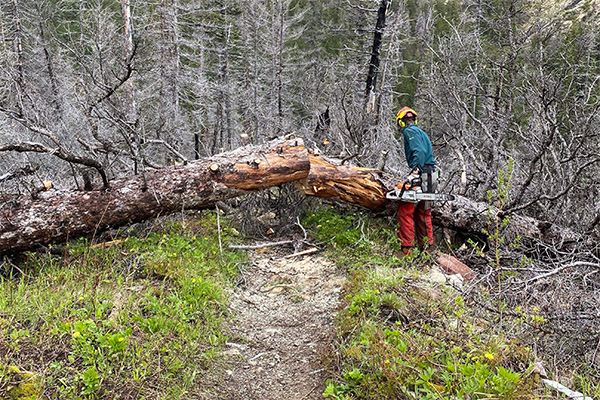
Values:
[(27, 170), (560, 269), (260, 245)]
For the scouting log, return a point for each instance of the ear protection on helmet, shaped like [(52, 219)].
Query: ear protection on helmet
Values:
[(405, 112)]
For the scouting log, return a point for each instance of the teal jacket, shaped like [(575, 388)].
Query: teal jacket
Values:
[(417, 147)]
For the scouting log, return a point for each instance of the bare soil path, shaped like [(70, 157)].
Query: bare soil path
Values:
[(282, 329)]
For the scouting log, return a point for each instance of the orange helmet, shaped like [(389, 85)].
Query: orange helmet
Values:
[(405, 112)]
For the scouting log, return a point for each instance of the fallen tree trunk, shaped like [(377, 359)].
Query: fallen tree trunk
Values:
[(55, 216), (473, 217)]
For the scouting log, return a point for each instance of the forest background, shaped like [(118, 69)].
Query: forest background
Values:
[(92, 90)]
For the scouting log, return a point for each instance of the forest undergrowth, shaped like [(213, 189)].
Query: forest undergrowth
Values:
[(401, 336), (137, 317), (143, 313)]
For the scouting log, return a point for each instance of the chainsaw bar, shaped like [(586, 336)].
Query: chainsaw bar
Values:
[(414, 196)]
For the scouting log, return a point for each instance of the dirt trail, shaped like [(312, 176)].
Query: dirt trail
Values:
[(282, 329)]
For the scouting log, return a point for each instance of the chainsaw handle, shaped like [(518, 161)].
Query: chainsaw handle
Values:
[(403, 186)]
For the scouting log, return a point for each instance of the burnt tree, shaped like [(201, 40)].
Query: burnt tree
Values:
[(376, 52)]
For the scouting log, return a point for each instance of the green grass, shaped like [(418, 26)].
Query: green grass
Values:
[(139, 319), (144, 318), (399, 337), (354, 239)]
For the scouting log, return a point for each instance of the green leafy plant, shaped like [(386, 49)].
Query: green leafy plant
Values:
[(108, 311), (91, 381)]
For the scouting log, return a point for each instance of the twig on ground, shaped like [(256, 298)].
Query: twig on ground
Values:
[(260, 245), (303, 253), (301, 227), (108, 244)]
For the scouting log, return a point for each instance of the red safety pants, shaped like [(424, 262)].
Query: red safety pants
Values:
[(413, 219)]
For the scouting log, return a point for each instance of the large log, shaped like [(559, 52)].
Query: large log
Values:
[(57, 215)]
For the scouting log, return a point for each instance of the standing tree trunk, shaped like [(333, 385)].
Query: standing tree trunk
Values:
[(375, 56), (18, 49), (222, 139), (279, 68), (169, 68), (130, 125), (56, 100), (128, 32)]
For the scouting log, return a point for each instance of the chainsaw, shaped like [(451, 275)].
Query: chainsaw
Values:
[(413, 194)]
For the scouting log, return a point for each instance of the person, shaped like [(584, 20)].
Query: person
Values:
[(416, 218)]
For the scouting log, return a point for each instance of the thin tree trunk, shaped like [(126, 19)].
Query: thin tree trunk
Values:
[(227, 94), (169, 84), (131, 129), (386, 63), (280, 50), (57, 101), (128, 32), (18, 49), (376, 55)]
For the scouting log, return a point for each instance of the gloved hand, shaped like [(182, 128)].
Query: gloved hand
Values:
[(413, 177), (410, 180), (414, 180)]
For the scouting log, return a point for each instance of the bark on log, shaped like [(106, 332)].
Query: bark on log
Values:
[(56, 216), (471, 216)]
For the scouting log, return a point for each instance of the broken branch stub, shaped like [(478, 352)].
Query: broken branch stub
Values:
[(355, 185)]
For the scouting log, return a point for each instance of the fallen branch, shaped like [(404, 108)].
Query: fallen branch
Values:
[(260, 245), (59, 152), (565, 390), (559, 269), (303, 253)]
